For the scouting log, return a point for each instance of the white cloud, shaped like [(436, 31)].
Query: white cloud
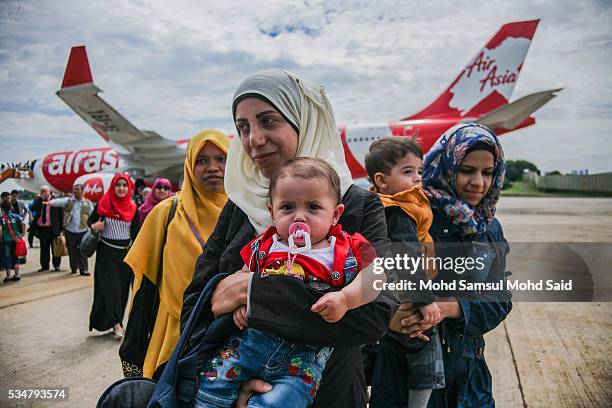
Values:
[(172, 66)]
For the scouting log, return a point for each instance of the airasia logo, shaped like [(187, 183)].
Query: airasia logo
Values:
[(492, 70), (482, 64), (61, 169), (81, 162), (93, 189)]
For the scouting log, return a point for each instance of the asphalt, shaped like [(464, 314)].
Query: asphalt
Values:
[(543, 355)]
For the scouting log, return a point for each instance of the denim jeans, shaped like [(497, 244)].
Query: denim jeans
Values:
[(293, 370), (9, 259)]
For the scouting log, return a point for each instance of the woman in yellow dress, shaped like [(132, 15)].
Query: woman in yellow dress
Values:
[(154, 319)]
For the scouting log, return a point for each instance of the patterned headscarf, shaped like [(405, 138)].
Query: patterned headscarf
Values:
[(441, 167)]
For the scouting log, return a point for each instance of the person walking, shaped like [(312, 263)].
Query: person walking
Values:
[(31, 228), (116, 218), (47, 225), (198, 205), (19, 207), (161, 190), (280, 116), (11, 228), (463, 178), (77, 210)]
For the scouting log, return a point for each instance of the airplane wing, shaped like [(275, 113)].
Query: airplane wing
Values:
[(511, 115), (141, 149)]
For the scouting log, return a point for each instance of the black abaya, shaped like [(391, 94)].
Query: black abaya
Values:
[(112, 278)]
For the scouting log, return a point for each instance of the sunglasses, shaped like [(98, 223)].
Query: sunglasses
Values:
[(163, 188)]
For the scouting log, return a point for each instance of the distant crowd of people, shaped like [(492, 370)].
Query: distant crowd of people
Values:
[(264, 253), (20, 166)]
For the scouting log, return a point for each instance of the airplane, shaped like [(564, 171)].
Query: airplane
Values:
[(480, 93)]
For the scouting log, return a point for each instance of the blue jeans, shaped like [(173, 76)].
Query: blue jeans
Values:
[(9, 258), (293, 370)]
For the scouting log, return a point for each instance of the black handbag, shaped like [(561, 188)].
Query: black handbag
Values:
[(127, 393), (141, 321), (89, 243)]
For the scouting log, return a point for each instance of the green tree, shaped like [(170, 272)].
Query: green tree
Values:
[(516, 168)]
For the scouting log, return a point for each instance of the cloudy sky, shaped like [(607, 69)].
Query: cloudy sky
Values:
[(172, 66)]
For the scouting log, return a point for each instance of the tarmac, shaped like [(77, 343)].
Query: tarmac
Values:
[(542, 355)]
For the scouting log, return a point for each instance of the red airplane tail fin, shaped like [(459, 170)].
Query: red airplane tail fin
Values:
[(487, 81), (77, 70)]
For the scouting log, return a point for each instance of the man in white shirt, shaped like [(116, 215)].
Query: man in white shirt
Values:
[(19, 206), (76, 212)]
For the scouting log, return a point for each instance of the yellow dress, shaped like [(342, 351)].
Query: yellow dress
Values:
[(181, 251)]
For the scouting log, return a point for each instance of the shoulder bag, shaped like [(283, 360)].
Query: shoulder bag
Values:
[(21, 250)]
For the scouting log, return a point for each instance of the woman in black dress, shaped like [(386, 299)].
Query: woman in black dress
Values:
[(280, 116), (115, 217)]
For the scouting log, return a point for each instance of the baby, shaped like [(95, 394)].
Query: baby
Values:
[(306, 242)]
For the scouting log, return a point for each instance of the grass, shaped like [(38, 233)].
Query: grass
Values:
[(522, 188), (526, 189)]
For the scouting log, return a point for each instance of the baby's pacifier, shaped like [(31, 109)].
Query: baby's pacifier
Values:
[(299, 238)]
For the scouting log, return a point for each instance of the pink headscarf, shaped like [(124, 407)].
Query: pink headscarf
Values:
[(152, 200)]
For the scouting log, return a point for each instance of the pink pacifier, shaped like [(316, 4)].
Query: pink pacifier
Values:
[(299, 238), (299, 241)]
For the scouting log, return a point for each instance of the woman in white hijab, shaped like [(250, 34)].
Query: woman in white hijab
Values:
[(280, 116)]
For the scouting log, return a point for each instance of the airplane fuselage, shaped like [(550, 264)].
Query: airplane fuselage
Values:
[(60, 170)]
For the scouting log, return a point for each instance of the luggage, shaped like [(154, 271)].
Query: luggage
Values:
[(58, 246)]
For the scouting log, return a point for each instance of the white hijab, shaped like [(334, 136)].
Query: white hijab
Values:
[(307, 108)]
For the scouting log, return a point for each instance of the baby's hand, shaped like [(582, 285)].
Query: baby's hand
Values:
[(240, 317), (331, 306), (431, 313)]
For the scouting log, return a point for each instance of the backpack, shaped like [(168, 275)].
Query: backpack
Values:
[(178, 384), (132, 392)]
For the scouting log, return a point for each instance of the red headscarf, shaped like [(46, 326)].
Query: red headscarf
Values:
[(113, 206)]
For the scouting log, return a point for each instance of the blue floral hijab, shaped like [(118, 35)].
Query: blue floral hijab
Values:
[(440, 169)]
